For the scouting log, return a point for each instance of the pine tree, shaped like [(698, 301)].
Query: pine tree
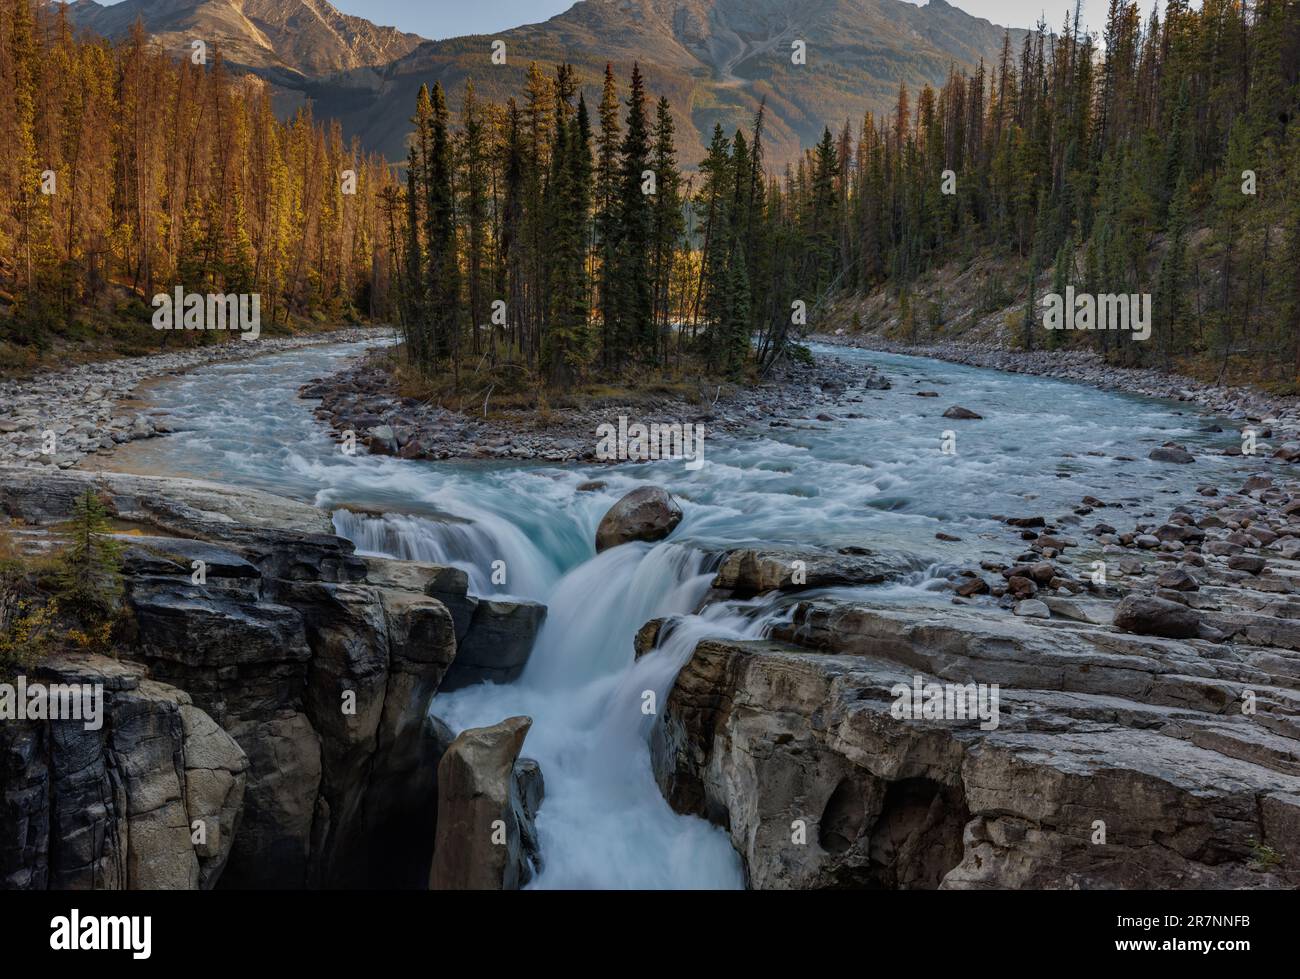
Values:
[(607, 227), (714, 296), (567, 349), (823, 217), (443, 272), (633, 329), (669, 224), (1169, 304), (474, 213), (90, 579)]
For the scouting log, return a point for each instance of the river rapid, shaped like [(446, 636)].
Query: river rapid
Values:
[(880, 480)]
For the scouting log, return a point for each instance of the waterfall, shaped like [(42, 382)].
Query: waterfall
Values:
[(473, 547), (604, 823)]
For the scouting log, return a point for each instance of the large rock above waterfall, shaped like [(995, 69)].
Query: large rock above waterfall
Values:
[(648, 513), (1095, 727), (487, 799), (447, 584), (752, 572)]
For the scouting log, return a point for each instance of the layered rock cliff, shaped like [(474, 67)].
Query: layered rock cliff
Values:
[(276, 687), (1119, 757)]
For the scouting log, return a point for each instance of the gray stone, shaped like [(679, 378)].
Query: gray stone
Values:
[(484, 805), (498, 643), (1171, 453), (1152, 616), (648, 513)]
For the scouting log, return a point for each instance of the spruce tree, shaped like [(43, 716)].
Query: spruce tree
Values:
[(606, 225), (634, 292), (443, 271), (90, 579), (669, 223)]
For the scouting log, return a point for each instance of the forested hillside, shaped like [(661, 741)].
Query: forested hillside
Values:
[(542, 238), (1167, 162), (125, 173)]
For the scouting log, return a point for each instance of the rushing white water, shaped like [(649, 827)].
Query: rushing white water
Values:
[(877, 480)]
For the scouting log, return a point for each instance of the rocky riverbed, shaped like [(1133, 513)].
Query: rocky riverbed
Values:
[(1146, 732), (58, 418), (361, 399), (1146, 663), (1252, 407)]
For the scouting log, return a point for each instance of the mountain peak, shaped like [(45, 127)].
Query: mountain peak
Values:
[(297, 37), (715, 60)]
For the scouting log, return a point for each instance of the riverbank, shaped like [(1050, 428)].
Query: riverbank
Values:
[(1281, 414), (364, 399), (58, 418)]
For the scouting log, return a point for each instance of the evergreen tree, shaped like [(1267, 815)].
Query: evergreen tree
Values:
[(633, 330), (1169, 304), (669, 224), (607, 217), (89, 575)]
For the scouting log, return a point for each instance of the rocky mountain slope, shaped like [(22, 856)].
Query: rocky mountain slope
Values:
[(715, 60), (286, 39)]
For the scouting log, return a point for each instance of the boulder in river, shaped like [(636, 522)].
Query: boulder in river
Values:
[(1177, 579), (1171, 453), (648, 513), (648, 636), (1248, 563), (957, 411), (382, 441), (1032, 608), (972, 586), (754, 572)]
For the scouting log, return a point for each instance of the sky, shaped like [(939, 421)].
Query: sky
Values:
[(437, 19)]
